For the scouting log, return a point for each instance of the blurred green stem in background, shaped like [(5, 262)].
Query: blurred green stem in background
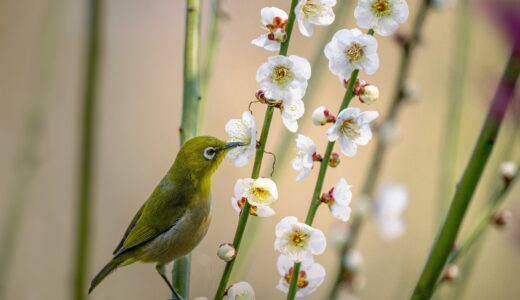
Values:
[(286, 141), (483, 222), (447, 235), (27, 154), (190, 117), (467, 263), (457, 79), (90, 91), (315, 200), (259, 155), (209, 56), (407, 50)]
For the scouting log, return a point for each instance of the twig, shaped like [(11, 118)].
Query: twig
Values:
[(90, 89), (242, 221), (190, 117), (448, 158), (408, 47), (27, 159), (448, 233)]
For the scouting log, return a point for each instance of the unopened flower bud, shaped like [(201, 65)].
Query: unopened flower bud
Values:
[(387, 132), (411, 90), (339, 234), (353, 261), (316, 157), (321, 116), (369, 95), (226, 252), (451, 273), (326, 197), (508, 171), (260, 96), (334, 160), (502, 218)]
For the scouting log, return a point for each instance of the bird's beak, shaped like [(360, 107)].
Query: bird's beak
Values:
[(232, 145)]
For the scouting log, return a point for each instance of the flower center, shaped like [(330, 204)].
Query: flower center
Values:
[(281, 75), (298, 238), (350, 128), (355, 52), (302, 278), (381, 8), (311, 9), (260, 193)]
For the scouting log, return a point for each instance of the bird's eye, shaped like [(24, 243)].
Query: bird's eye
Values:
[(209, 153)]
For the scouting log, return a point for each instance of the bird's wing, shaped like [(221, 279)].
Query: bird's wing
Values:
[(129, 229), (160, 212)]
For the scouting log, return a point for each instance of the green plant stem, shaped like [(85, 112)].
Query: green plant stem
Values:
[(468, 263), (259, 155), (407, 50), (190, 116), (318, 64), (90, 88), (27, 159), (467, 184), (315, 200), (483, 224), (448, 161), (209, 57)]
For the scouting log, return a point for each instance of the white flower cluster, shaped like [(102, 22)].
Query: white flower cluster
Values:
[(349, 51), (283, 82), (299, 242)]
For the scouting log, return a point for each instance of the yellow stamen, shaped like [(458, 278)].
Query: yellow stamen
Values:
[(350, 128), (381, 8), (281, 75), (355, 52)]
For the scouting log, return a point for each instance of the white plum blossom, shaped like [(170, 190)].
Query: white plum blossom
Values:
[(241, 291), (338, 200), (260, 193), (292, 110), (384, 16), (311, 275), (351, 49), (304, 160), (352, 128), (314, 12), (274, 21), (284, 78), (391, 201), (297, 240), (242, 130)]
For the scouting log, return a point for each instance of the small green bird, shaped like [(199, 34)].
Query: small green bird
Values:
[(176, 216)]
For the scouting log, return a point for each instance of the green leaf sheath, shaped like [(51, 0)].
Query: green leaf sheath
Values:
[(242, 221), (315, 201), (190, 117), (90, 87), (445, 240)]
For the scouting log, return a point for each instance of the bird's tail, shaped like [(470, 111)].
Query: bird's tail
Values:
[(109, 268)]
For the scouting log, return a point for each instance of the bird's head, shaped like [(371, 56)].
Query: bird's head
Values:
[(201, 156)]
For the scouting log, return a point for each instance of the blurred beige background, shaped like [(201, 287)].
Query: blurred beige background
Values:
[(137, 139)]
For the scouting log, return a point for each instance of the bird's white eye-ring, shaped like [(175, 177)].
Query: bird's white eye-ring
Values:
[(209, 153)]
